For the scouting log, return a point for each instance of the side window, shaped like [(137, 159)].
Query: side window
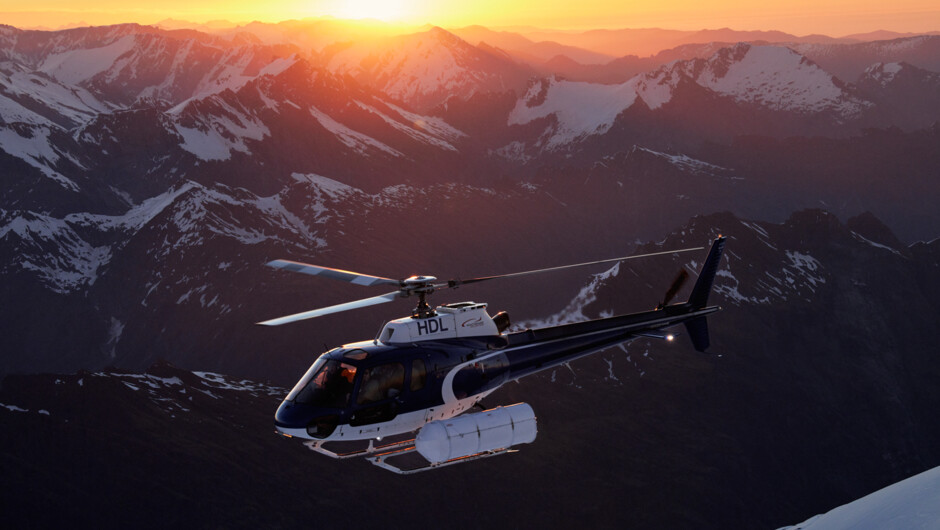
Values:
[(419, 374), (381, 382)]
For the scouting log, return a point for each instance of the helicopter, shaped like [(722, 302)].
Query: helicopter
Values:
[(422, 375)]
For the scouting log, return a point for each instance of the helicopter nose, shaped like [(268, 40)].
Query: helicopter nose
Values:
[(295, 419), (293, 415)]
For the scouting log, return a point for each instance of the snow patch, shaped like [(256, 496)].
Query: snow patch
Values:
[(225, 130), (883, 73), (729, 290), (416, 129), (581, 109), (37, 150), (219, 381), (331, 188), (806, 266), (76, 66), (863, 239), (76, 262), (18, 85), (574, 312), (515, 151), (205, 144), (353, 139), (684, 162)]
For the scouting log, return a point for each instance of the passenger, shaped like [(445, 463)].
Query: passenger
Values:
[(371, 388)]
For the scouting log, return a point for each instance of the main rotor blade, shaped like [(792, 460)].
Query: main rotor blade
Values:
[(365, 302), (336, 274), (455, 283)]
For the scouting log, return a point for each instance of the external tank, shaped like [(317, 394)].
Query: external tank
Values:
[(472, 434)]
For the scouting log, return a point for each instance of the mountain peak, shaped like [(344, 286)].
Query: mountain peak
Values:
[(425, 69), (873, 230), (778, 78)]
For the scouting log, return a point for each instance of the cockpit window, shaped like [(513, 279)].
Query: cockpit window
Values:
[(327, 384), (381, 382)]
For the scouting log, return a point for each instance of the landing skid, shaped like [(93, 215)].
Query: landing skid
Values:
[(372, 449), (405, 459), (399, 457)]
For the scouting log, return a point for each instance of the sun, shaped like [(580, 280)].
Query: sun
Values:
[(384, 10)]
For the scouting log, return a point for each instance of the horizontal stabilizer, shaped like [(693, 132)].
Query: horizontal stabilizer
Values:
[(698, 332)]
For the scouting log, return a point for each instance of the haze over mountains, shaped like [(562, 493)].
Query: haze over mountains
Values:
[(149, 173), (586, 47)]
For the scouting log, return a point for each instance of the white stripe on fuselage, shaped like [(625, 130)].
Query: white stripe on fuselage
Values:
[(448, 386)]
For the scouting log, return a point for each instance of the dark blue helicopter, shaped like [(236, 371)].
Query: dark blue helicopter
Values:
[(425, 370)]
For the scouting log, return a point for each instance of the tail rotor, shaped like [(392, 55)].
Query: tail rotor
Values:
[(676, 286)]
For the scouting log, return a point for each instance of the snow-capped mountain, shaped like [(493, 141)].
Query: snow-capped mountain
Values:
[(128, 63), (909, 94), (193, 253), (771, 77), (337, 112), (128, 176), (845, 59), (79, 103), (849, 61), (424, 70), (768, 78)]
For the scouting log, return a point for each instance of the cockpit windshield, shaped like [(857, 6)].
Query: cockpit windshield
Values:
[(328, 383)]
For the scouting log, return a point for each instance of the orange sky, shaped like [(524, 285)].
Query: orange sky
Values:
[(831, 17)]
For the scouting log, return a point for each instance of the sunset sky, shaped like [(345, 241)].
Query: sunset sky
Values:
[(801, 17)]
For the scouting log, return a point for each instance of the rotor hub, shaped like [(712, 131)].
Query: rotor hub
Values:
[(418, 281)]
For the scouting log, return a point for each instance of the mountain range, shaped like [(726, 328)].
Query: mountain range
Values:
[(130, 152), (150, 173)]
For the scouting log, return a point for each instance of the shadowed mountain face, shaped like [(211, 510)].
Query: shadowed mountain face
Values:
[(818, 388)]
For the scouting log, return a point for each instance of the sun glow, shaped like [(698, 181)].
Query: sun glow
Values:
[(801, 17), (384, 10)]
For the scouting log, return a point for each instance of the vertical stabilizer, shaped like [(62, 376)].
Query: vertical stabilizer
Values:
[(697, 328), (703, 286)]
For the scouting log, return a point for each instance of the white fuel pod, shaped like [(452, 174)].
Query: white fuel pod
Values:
[(467, 435)]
